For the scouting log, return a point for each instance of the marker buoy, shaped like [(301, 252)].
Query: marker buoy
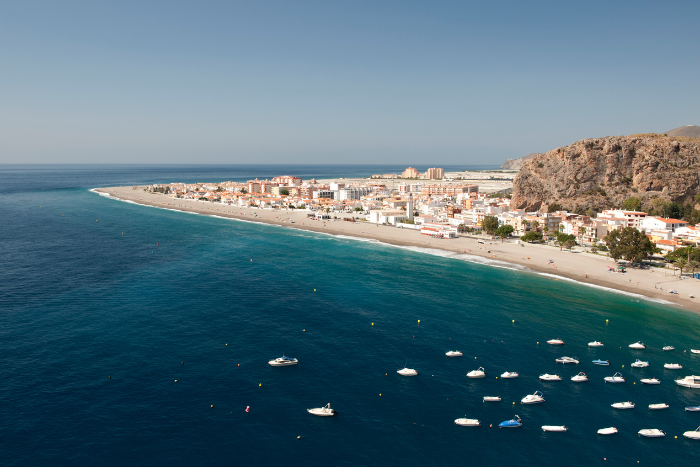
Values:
[(212, 406), (314, 290), (298, 437), (182, 363), (176, 381), (380, 395), (303, 330), (491, 426), (109, 377), (513, 321), (496, 377), (226, 345), (239, 364), (247, 408), (251, 260), (372, 324), (418, 321), (259, 385)]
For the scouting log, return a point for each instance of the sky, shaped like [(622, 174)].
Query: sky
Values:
[(365, 82)]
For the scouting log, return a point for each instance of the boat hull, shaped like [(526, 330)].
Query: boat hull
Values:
[(607, 431), (651, 433), (554, 428), (467, 422)]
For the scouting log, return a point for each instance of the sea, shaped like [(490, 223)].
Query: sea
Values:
[(139, 336)]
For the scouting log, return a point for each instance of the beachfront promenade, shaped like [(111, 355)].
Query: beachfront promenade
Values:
[(577, 265)]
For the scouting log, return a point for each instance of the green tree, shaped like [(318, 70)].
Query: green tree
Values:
[(569, 244), (244, 191), (532, 236), (490, 225), (632, 204), (562, 238), (536, 225), (659, 205), (681, 263), (504, 231), (630, 244), (284, 192), (690, 253)]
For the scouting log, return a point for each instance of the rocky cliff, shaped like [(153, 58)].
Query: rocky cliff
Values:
[(692, 131), (515, 164), (601, 173)]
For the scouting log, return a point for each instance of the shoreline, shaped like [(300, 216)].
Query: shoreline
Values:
[(577, 266)]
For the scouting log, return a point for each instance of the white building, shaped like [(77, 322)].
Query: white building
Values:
[(387, 216), (651, 223)]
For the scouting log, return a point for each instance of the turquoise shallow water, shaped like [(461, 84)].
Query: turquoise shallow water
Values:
[(81, 302)]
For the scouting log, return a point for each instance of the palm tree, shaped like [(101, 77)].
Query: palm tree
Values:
[(536, 225), (681, 263), (546, 232), (582, 231), (693, 265)]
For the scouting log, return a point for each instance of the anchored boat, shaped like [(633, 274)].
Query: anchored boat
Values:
[(579, 378), (492, 399), (607, 431), (554, 428), (555, 342), (548, 377), (673, 366), (467, 422), (601, 362), (509, 375), (693, 434), (616, 378), (689, 382), (514, 423), (536, 398), (652, 433), (640, 364), (283, 361), (622, 405), (658, 406), (638, 345), (454, 353), (566, 360), (322, 411), (407, 372), (480, 373), (650, 381), (595, 344)]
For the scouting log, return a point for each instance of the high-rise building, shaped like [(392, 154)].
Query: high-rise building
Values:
[(434, 174), (410, 173)]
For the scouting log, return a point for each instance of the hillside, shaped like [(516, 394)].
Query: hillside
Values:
[(691, 131), (515, 164), (602, 172)]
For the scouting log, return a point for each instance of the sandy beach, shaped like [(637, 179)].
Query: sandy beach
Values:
[(577, 265)]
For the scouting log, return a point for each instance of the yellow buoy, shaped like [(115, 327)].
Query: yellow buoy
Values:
[(212, 406), (623, 366), (474, 358), (259, 384), (513, 403), (314, 290), (418, 321), (251, 260), (496, 377), (380, 395), (176, 381), (372, 324)]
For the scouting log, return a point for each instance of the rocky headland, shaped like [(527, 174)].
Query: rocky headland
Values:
[(600, 173)]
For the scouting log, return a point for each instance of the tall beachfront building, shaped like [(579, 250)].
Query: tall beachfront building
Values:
[(434, 174), (410, 173)]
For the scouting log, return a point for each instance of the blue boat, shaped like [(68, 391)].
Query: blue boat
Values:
[(601, 362), (515, 423), (693, 408)]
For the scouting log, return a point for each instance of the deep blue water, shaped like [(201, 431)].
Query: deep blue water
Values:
[(92, 287)]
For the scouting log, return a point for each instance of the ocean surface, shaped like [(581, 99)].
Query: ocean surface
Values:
[(133, 335)]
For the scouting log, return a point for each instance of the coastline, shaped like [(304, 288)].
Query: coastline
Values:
[(580, 267)]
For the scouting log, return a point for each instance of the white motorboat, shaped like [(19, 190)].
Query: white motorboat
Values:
[(693, 408), (673, 366), (595, 344), (622, 405), (480, 373), (492, 399), (669, 347), (322, 411), (650, 381), (283, 361), (454, 353), (548, 377), (579, 378), (689, 382), (658, 406), (640, 364), (652, 433), (554, 428), (467, 422), (509, 375), (555, 342), (536, 398), (616, 378), (407, 372), (694, 351), (566, 360), (693, 434), (638, 345), (607, 431)]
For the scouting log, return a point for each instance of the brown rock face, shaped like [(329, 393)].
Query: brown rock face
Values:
[(603, 172)]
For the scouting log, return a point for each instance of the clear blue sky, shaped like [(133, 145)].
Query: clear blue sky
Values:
[(337, 82)]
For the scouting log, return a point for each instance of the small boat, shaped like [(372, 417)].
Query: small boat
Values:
[(467, 422), (566, 360), (658, 406), (616, 378), (283, 361), (640, 364), (638, 345), (650, 381), (669, 347), (509, 375), (595, 344), (548, 377), (694, 351), (536, 398), (514, 423), (480, 373), (652, 433), (607, 431), (689, 382), (673, 366), (622, 405), (693, 434), (579, 378), (492, 399), (322, 411), (693, 408), (555, 342), (407, 372), (454, 353), (601, 362), (554, 428)]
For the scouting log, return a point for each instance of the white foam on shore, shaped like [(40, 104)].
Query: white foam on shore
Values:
[(430, 251)]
